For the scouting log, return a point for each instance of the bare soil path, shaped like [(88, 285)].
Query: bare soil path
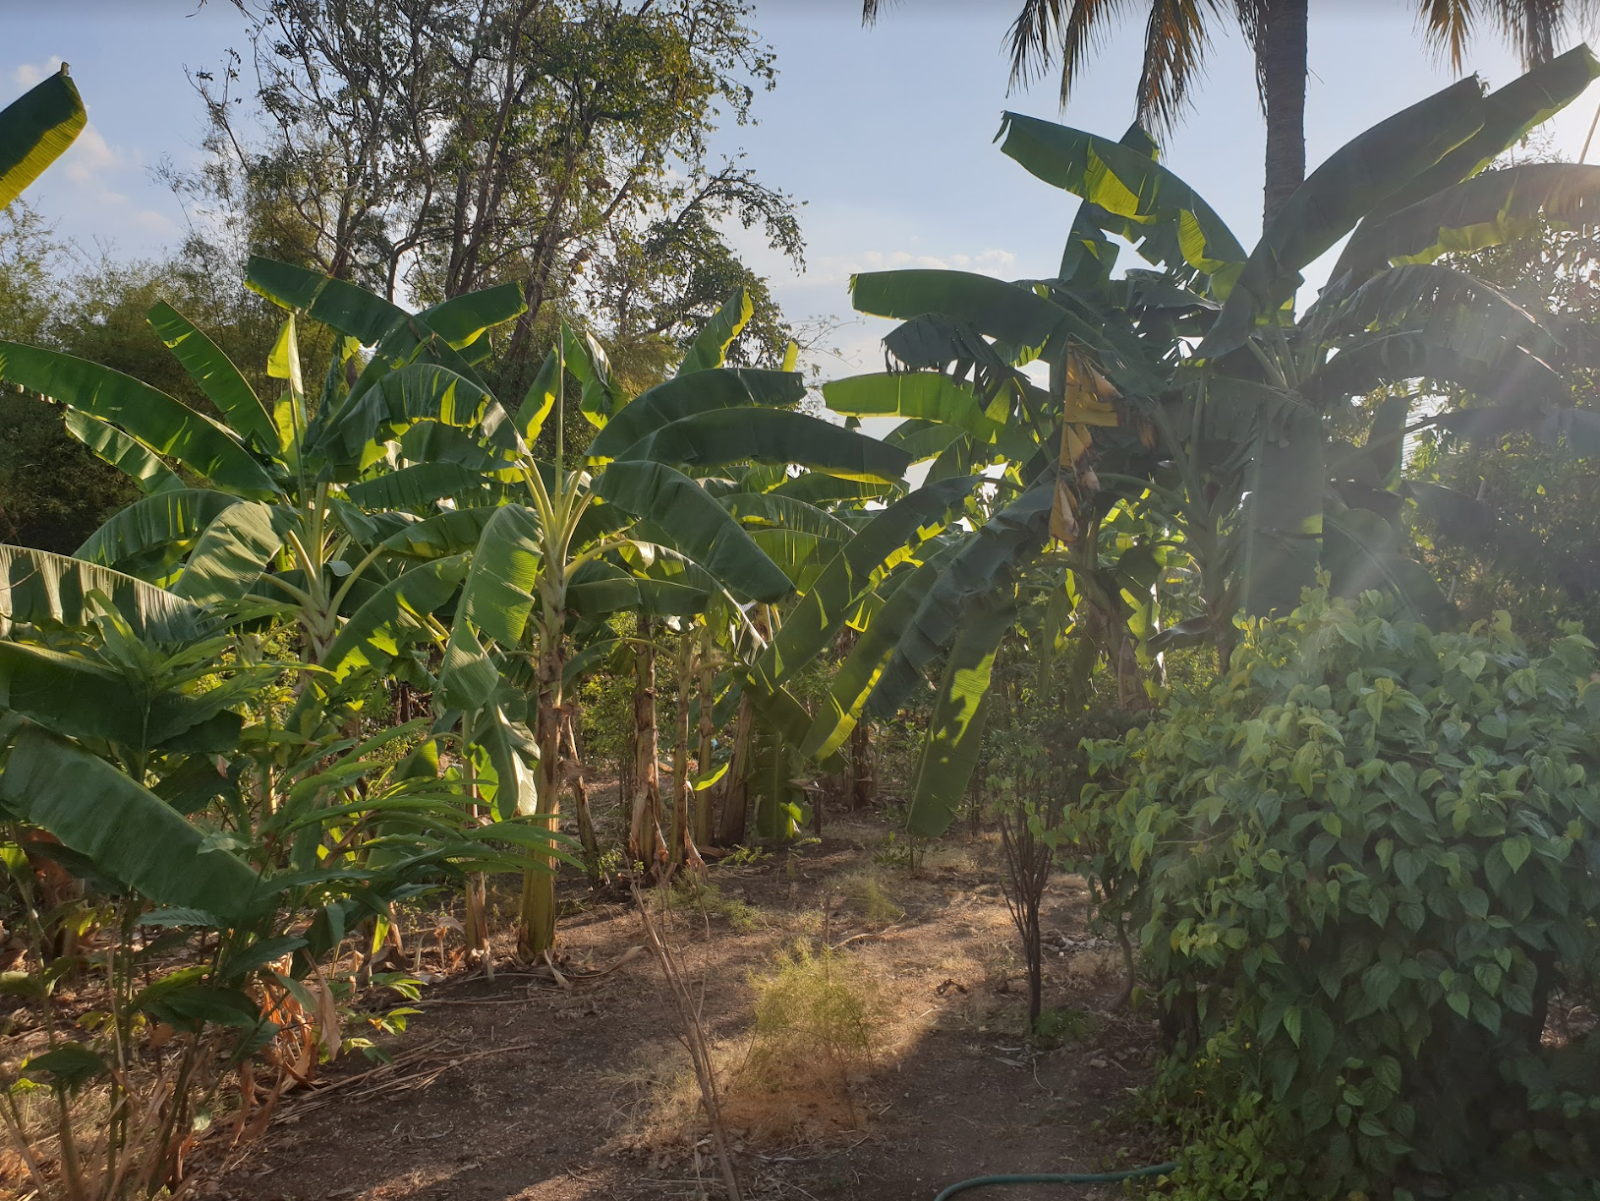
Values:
[(525, 1089)]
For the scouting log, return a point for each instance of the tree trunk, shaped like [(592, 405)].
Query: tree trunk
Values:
[(645, 844), (1282, 57)]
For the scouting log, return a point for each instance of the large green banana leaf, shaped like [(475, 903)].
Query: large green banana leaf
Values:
[(771, 436), (987, 561), (1025, 323), (500, 589), (452, 532), (35, 130), (336, 303), (1282, 530), (599, 589), (166, 522), (1361, 550), (1126, 183), (696, 524), (216, 375), (127, 454), (1393, 358), (127, 831), (1509, 114), (418, 485), (839, 710), (77, 698), (39, 587), (1017, 316), (373, 633), (1336, 196), (586, 360), (232, 553), (783, 512), (463, 319), (955, 728), (1487, 210), (710, 347), (704, 391), (924, 440), (416, 392), (510, 749), (810, 627), (919, 394), (1449, 310), (163, 424), (818, 488)]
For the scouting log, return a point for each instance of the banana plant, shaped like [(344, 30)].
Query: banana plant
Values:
[(269, 503), (631, 529), (127, 735), (1211, 402)]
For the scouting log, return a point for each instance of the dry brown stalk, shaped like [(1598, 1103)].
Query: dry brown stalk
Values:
[(693, 1039)]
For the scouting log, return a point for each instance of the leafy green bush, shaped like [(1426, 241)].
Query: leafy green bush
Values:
[(1361, 867)]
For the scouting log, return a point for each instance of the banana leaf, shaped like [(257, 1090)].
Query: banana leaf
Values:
[(216, 375), (166, 426), (710, 347), (1336, 196), (955, 728), (38, 587), (125, 830), (1126, 183), (696, 525), (35, 130), (686, 396), (726, 436)]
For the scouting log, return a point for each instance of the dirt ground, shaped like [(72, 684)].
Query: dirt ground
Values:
[(522, 1088)]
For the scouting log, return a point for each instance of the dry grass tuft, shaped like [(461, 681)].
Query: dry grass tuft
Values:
[(818, 1025)]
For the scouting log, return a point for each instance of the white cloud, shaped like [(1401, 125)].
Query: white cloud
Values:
[(156, 223), (90, 157), (28, 74)]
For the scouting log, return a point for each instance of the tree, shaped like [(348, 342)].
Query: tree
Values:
[(428, 148), (1192, 392), (1178, 34)]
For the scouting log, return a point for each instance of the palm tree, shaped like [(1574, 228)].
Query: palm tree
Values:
[(1178, 34)]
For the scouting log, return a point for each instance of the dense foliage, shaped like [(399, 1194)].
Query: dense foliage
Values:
[(1360, 865)]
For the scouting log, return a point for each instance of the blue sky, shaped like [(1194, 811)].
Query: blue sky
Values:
[(885, 133)]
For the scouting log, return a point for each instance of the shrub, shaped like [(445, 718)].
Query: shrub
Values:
[(1361, 866)]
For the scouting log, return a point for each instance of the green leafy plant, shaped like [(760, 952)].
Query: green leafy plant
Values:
[(1360, 869)]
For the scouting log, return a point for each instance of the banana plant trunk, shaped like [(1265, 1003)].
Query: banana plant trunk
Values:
[(704, 812), (1281, 56), (863, 780), (682, 788), (580, 795), (735, 783), (645, 843), (536, 932)]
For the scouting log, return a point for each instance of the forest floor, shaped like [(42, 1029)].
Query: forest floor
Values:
[(532, 1087)]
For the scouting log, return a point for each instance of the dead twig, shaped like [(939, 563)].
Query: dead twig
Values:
[(694, 1040)]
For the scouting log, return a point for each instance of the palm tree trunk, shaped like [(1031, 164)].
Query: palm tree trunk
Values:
[(1282, 57)]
